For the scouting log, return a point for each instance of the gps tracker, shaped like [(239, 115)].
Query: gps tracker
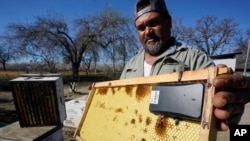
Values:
[(178, 100)]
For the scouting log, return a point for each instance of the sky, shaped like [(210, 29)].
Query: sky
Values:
[(25, 11)]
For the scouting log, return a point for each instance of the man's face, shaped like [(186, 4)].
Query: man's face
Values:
[(153, 30)]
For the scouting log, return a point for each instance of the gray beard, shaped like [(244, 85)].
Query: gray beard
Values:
[(154, 48)]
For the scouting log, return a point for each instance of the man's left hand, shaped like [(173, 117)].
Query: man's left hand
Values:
[(232, 93)]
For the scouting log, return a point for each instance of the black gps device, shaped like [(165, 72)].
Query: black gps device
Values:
[(178, 100)]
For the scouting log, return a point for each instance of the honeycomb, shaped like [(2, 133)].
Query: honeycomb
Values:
[(122, 113)]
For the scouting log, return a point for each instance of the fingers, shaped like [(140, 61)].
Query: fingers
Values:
[(232, 93), (89, 87), (222, 125), (223, 113), (231, 80), (230, 114), (234, 87), (234, 96), (234, 80), (222, 98), (228, 111), (229, 104), (221, 65)]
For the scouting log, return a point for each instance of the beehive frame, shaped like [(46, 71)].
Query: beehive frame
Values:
[(119, 110)]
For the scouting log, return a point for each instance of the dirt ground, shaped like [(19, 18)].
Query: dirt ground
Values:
[(82, 89), (7, 107)]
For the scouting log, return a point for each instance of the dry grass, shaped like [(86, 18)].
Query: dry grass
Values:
[(10, 74)]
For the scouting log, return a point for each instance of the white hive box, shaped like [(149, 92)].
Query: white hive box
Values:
[(74, 111), (39, 99)]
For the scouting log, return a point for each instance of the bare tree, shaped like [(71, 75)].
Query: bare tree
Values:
[(36, 41), (90, 56), (127, 48), (107, 29), (49, 37), (6, 54), (179, 31), (210, 34)]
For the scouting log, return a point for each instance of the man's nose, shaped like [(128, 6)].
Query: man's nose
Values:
[(149, 30)]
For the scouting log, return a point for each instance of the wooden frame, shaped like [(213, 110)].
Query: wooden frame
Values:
[(100, 121)]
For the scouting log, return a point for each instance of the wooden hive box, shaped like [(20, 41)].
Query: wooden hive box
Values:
[(39, 99), (119, 110)]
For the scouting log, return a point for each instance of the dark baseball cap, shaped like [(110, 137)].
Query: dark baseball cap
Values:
[(145, 6)]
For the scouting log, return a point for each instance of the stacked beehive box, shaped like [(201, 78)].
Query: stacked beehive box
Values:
[(39, 100)]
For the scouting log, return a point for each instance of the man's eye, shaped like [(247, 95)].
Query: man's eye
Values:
[(154, 23), (141, 28)]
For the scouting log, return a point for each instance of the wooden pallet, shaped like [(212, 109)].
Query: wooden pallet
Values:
[(119, 110)]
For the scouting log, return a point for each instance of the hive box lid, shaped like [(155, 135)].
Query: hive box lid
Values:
[(37, 77)]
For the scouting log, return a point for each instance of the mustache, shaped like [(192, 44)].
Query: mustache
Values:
[(151, 36)]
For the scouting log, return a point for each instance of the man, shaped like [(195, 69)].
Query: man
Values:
[(160, 53)]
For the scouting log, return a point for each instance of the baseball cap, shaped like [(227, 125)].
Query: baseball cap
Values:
[(144, 6)]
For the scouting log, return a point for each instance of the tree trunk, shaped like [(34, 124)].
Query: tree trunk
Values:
[(75, 71), (4, 66)]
